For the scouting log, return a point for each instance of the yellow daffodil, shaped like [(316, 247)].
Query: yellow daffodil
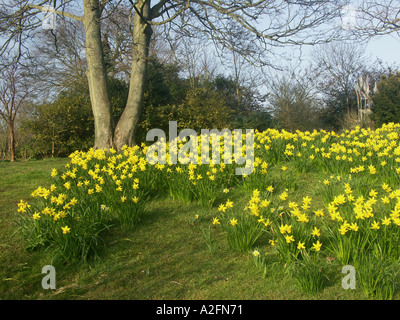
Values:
[(289, 238), (301, 245), (317, 246), (36, 216), (319, 213), (354, 226), (233, 222), (54, 172), (285, 229), (283, 196), (307, 200), (222, 207), (386, 221), (375, 226), (65, 230), (265, 203), (316, 232)]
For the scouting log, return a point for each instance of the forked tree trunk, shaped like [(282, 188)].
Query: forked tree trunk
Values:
[(97, 77), (127, 124)]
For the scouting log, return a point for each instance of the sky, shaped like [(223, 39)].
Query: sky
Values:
[(387, 48)]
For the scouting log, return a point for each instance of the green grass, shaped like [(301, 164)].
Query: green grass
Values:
[(164, 257)]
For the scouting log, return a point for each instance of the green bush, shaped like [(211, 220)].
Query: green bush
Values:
[(386, 102)]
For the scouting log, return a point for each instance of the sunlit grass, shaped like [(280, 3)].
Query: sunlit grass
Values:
[(164, 257)]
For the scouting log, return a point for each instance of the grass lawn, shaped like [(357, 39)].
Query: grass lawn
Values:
[(165, 256)]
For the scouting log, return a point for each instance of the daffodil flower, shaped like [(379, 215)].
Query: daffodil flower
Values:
[(233, 222), (289, 238), (375, 226), (222, 207), (301, 245), (316, 232), (317, 246), (65, 230)]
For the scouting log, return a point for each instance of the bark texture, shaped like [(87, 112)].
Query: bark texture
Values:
[(12, 140), (127, 124), (97, 77)]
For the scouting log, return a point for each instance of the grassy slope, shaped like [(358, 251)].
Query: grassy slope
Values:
[(164, 257)]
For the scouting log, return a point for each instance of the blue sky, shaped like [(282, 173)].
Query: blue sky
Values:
[(387, 48)]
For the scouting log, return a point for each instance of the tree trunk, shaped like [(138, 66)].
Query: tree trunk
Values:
[(127, 124), (12, 140), (97, 77)]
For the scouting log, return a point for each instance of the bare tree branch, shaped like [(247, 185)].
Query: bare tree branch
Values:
[(13, 94), (251, 28), (61, 13), (375, 18)]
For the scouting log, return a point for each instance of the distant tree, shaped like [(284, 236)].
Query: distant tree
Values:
[(239, 98), (245, 104), (164, 87), (119, 91), (64, 125), (61, 127), (386, 100), (203, 108), (293, 104), (336, 111), (337, 67), (13, 94), (59, 60)]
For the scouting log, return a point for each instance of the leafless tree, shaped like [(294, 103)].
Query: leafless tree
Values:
[(196, 60), (294, 102), (250, 28), (13, 93), (60, 62), (337, 67)]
